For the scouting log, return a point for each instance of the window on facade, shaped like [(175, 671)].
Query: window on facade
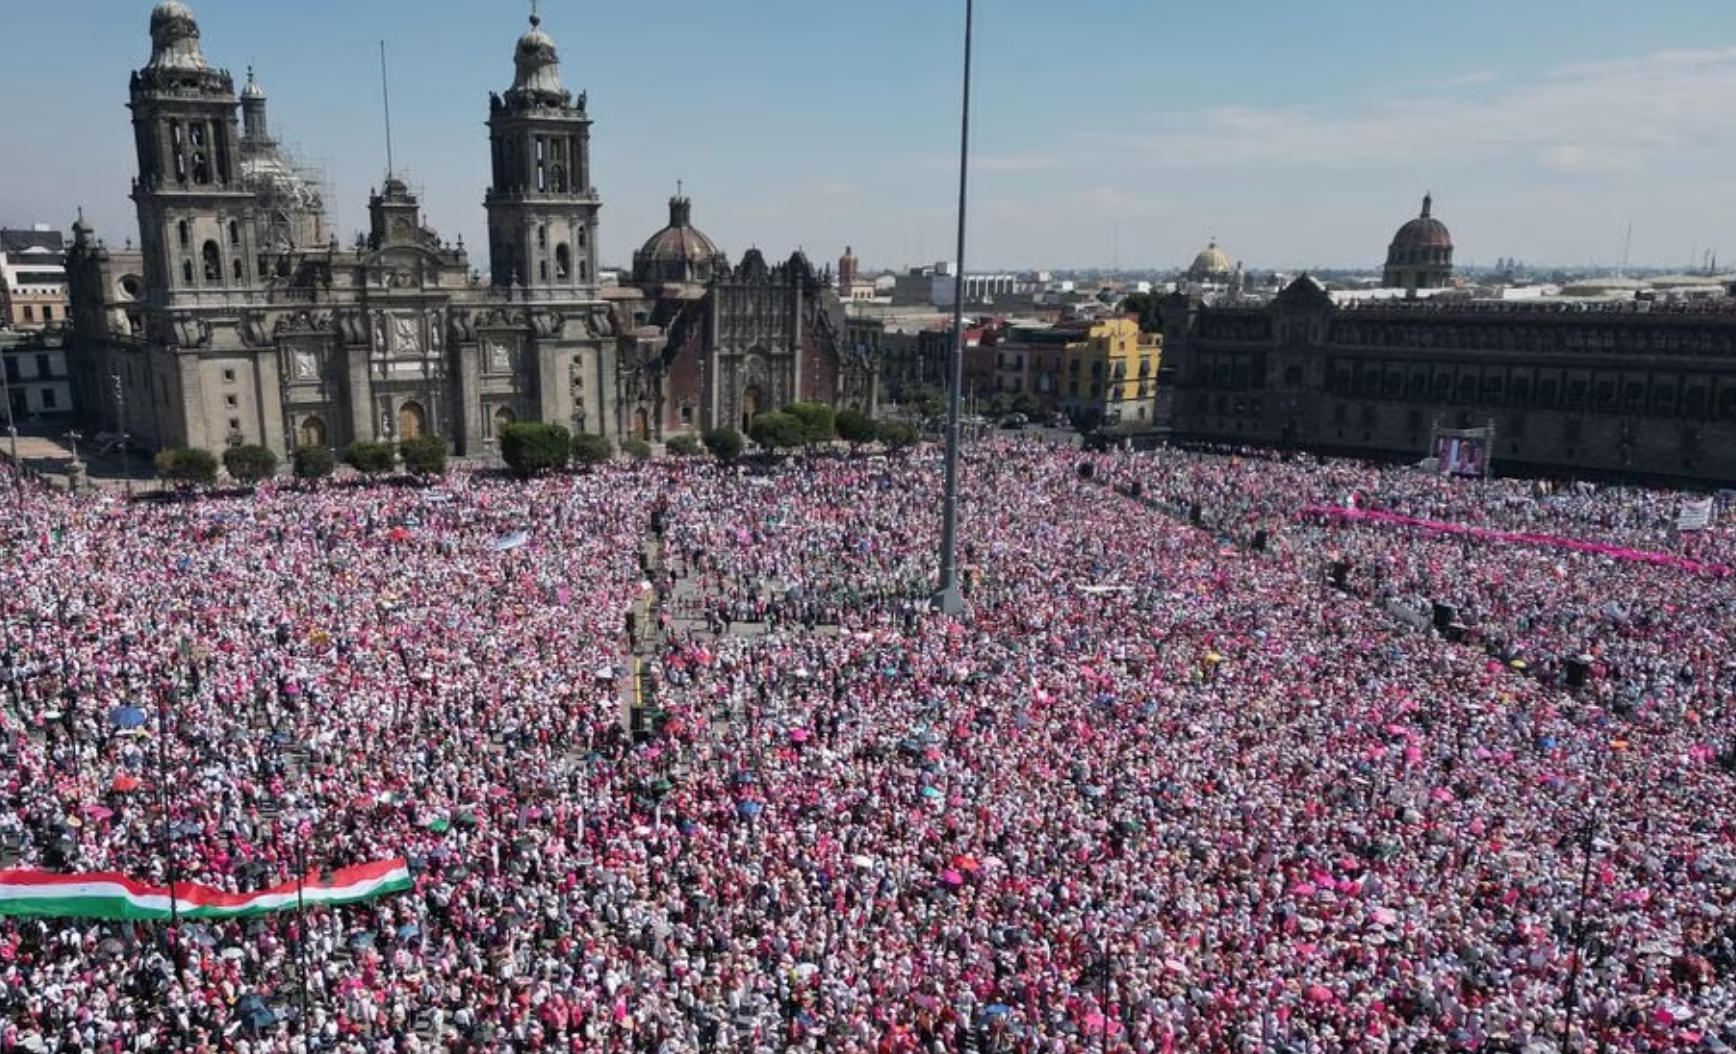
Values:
[(179, 147), (29, 313), (1603, 395), (542, 175), (1694, 401), (50, 400), (563, 261), (187, 272), (231, 402), (235, 268), (542, 270), (42, 364), (228, 376), (184, 233), (213, 262), (542, 236), (234, 233)]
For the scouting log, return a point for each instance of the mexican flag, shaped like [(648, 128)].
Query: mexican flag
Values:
[(105, 895)]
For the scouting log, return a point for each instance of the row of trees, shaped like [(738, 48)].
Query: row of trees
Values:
[(531, 448), (250, 464), (809, 424)]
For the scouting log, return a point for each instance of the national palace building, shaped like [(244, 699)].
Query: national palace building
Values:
[(1570, 386)]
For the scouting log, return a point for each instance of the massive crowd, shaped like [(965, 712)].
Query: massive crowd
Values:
[(1162, 787)]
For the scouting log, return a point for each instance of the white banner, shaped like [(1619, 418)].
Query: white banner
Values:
[(1695, 515)]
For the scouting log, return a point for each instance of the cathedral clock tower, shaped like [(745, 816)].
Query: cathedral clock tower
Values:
[(196, 222), (542, 208)]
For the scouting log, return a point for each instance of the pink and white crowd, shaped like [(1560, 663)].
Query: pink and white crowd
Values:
[(1157, 790)]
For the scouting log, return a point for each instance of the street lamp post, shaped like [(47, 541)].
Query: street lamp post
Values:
[(12, 432), (949, 599), (121, 421)]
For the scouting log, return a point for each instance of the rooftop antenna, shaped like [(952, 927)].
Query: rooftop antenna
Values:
[(386, 100)]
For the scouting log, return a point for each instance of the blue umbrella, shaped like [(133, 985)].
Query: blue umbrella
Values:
[(126, 717), (750, 808)]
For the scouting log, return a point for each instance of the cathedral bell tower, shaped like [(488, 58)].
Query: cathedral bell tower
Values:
[(196, 222), (542, 209)]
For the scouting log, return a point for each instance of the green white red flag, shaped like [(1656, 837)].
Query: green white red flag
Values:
[(105, 895)]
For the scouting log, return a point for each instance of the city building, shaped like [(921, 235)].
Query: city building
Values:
[(241, 320), (32, 278), (33, 375), (1592, 387)]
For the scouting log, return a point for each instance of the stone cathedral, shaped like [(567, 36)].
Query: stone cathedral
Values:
[(240, 318)]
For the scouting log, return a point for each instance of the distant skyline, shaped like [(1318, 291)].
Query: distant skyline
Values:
[(1104, 133)]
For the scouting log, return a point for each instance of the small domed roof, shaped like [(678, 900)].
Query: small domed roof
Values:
[(175, 37), (1424, 232), (252, 90), (680, 252), (536, 64), (1212, 260)]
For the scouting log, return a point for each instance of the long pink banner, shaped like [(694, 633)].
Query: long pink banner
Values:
[(1524, 537)]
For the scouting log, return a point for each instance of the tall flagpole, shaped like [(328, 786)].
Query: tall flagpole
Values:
[(949, 599)]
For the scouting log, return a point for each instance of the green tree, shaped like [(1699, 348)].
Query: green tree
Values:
[(424, 455), (636, 449), (777, 430), (530, 448), (684, 444), (929, 401), (250, 463), (313, 462), (592, 449), (855, 427), (1028, 404), (187, 466), (724, 443), (897, 435), (369, 457), (819, 424), (1149, 308)]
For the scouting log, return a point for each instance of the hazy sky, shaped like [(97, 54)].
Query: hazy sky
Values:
[(1105, 131)]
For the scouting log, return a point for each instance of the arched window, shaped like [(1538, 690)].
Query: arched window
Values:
[(187, 272), (581, 237), (563, 261), (213, 262), (185, 233), (313, 432), (234, 233), (235, 268)]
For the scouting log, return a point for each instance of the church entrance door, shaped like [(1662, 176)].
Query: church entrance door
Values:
[(750, 406), (412, 421)]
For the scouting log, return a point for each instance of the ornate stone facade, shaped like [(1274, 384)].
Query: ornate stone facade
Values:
[(1630, 388), (234, 323)]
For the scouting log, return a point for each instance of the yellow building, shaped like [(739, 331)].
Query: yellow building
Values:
[(1110, 374)]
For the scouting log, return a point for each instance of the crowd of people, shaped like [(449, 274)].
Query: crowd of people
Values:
[(1192, 771)]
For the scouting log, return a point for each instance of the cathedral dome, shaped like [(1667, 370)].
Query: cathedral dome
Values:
[(252, 89), (1421, 253), (1212, 262), (679, 252), (175, 37), (1424, 232)]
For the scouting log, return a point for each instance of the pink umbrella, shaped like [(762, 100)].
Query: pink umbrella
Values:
[(1318, 993), (799, 735), (951, 877)]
